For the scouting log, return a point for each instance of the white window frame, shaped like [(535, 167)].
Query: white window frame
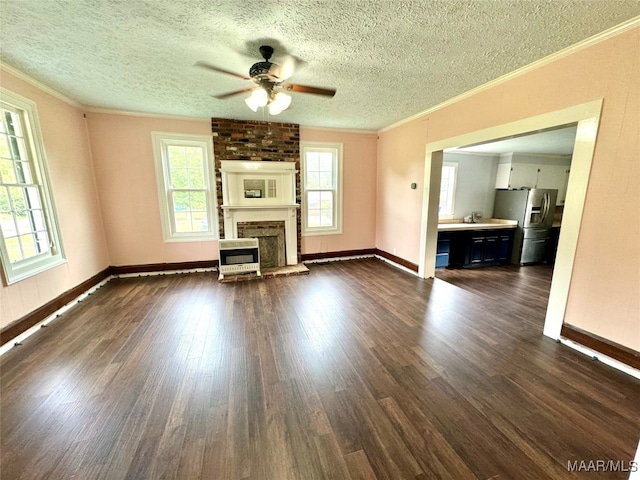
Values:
[(161, 141), (336, 150), (452, 194), (21, 269)]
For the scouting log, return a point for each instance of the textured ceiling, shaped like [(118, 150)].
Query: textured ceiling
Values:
[(558, 141), (388, 60)]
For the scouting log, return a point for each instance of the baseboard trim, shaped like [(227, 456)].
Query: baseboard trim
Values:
[(613, 350), (602, 345), (307, 257), (395, 259), (162, 267), (20, 326), (23, 324)]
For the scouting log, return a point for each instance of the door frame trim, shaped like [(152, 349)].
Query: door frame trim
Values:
[(587, 118)]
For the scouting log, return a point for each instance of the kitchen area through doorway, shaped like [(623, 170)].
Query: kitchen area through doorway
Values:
[(500, 214)]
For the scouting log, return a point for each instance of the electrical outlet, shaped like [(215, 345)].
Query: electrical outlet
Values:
[(394, 250)]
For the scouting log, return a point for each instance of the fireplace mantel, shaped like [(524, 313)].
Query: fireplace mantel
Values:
[(261, 192), (258, 207)]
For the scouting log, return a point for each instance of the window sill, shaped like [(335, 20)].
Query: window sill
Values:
[(316, 233), (18, 276), (200, 238)]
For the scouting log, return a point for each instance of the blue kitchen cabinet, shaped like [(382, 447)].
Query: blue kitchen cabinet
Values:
[(480, 248), (443, 249)]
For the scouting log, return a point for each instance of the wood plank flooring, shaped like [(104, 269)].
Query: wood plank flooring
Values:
[(356, 371), (524, 291)]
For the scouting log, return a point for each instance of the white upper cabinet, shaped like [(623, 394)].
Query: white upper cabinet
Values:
[(532, 171), (523, 175), (516, 176), (503, 177), (556, 177)]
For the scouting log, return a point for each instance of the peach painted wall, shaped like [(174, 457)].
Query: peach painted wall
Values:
[(604, 297), (359, 191), (398, 206), (125, 173), (72, 179)]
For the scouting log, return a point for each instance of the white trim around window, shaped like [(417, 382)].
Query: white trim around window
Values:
[(446, 207), (30, 239), (321, 167), (186, 186)]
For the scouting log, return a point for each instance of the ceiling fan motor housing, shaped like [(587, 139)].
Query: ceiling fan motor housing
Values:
[(261, 70), (266, 70)]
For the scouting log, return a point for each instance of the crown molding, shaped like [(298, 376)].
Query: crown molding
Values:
[(598, 38), (340, 130), (131, 113), (32, 81)]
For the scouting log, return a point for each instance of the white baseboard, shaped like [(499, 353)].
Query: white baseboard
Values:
[(623, 367)]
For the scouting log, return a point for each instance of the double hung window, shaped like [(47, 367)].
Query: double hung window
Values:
[(184, 175), (322, 186), (30, 240)]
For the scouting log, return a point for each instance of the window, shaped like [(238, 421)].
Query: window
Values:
[(30, 238), (184, 174), (447, 189), (322, 186)]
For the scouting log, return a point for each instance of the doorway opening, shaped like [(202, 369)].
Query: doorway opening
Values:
[(477, 257), (586, 118)]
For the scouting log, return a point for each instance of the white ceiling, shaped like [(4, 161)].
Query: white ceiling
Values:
[(551, 142), (387, 59)]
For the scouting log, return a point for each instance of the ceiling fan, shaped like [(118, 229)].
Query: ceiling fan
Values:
[(271, 85)]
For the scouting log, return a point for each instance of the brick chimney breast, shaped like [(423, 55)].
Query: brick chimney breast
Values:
[(253, 140)]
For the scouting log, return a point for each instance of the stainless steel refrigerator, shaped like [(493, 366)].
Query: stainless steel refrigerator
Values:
[(533, 209)]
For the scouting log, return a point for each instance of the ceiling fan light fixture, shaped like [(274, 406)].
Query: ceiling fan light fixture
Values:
[(251, 104), (274, 109), (282, 100), (258, 98)]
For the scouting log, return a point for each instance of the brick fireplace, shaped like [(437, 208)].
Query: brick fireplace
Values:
[(247, 141)]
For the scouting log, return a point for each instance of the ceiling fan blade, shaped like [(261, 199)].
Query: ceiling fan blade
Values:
[(287, 67), (208, 66), (222, 96), (294, 87)]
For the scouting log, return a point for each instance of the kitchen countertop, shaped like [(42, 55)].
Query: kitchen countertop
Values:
[(485, 224)]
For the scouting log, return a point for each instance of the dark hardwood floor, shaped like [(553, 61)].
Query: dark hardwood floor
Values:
[(356, 371), (524, 291)]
